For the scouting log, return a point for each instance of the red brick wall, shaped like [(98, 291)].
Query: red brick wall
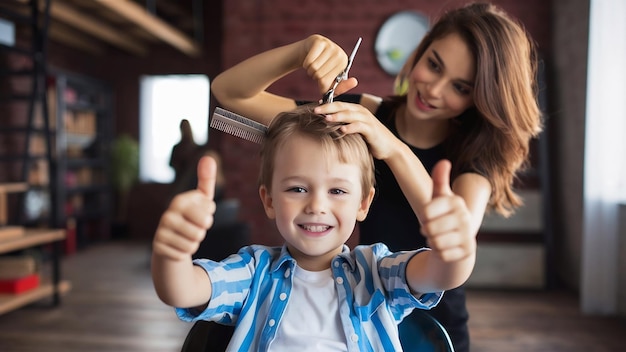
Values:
[(122, 72), (13, 144), (251, 27)]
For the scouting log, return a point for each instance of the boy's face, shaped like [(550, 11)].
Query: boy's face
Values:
[(316, 202)]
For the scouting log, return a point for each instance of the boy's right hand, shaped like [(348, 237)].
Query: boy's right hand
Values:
[(190, 214)]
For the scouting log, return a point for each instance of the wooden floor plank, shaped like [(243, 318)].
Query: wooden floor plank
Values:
[(538, 321)]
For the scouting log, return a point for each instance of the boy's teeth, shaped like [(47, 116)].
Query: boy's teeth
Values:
[(316, 228)]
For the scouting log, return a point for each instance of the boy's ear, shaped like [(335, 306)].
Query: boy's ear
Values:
[(365, 205), (266, 199)]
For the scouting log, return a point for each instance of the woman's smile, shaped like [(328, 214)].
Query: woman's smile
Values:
[(422, 104)]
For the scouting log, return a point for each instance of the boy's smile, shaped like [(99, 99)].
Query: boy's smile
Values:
[(315, 199), (315, 230)]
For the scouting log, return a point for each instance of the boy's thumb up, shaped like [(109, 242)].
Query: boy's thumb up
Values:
[(207, 170), (441, 179)]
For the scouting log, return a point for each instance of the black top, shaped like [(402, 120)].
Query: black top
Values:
[(391, 219)]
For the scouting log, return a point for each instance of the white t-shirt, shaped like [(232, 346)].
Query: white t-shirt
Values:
[(311, 320)]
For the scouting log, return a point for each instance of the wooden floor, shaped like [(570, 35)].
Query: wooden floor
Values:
[(112, 307)]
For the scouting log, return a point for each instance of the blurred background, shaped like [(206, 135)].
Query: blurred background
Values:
[(142, 66)]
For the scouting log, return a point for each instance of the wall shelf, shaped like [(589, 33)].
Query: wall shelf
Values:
[(52, 287), (31, 238), (25, 117), (10, 302), (81, 108)]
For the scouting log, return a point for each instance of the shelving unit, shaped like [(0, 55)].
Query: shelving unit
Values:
[(50, 288), (18, 238), (26, 154), (81, 113), (25, 121)]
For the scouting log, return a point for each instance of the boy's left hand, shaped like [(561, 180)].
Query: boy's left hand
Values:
[(446, 222)]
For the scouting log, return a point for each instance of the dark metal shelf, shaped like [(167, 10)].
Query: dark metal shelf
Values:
[(95, 188), (16, 16), (89, 214), (18, 50), (21, 157), (13, 97), (84, 106), (24, 129), (37, 21), (23, 72), (86, 162)]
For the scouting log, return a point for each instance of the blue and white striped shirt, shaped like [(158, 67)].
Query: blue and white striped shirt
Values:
[(251, 290)]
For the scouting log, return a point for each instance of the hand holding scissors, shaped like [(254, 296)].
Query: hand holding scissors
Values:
[(329, 96)]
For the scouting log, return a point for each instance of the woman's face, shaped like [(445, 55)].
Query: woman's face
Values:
[(442, 81)]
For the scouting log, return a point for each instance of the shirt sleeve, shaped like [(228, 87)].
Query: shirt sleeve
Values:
[(392, 270), (230, 283)]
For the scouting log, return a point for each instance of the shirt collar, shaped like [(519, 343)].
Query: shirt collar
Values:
[(347, 257), (286, 259)]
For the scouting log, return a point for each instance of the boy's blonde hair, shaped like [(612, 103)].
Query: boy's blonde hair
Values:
[(336, 145)]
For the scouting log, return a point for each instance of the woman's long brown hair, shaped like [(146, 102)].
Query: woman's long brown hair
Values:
[(493, 136)]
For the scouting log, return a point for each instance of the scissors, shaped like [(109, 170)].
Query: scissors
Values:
[(330, 94)]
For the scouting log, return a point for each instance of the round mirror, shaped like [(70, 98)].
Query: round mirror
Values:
[(397, 38)]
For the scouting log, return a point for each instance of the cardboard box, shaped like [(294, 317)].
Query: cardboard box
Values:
[(13, 267)]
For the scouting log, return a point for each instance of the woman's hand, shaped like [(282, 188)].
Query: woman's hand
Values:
[(358, 119), (323, 60)]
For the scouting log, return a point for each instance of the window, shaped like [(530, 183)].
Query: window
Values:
[(165, 101), (604, 187)]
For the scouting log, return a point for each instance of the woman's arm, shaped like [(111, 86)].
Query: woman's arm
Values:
[(243, 88)]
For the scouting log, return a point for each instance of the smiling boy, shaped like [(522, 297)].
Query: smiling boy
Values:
[(314, 293)]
